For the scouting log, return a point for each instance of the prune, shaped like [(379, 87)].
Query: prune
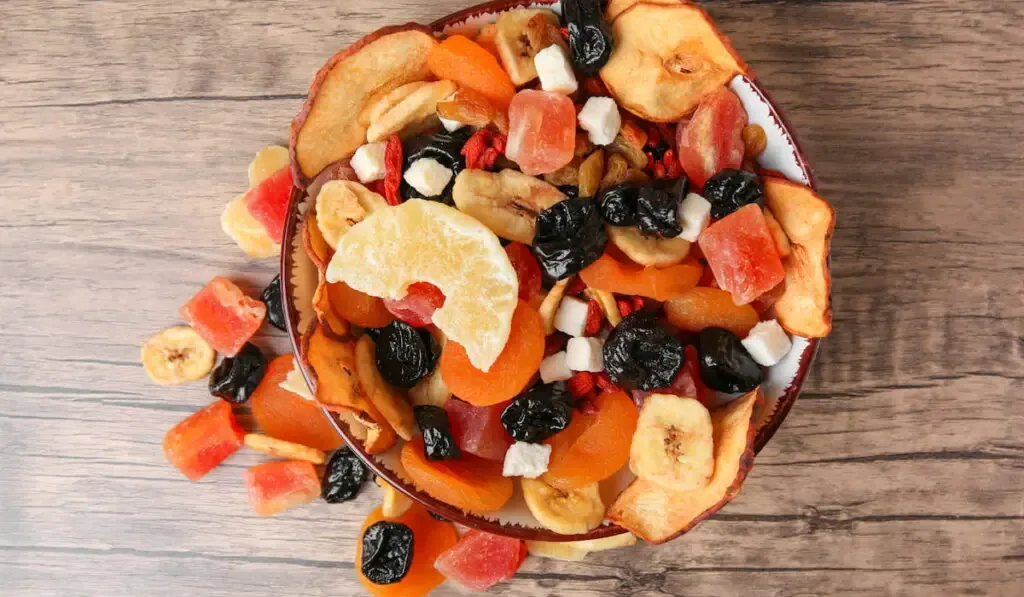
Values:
[(387, 552), (725, 365), (730, 190), (639, 354), (275, 307), (405, 354), (235, 378), (438, 442), (538, 414), (570, 236), (442, 146), (656, 213), (618, 204), (570, 191), (590, 37), (343, 477)]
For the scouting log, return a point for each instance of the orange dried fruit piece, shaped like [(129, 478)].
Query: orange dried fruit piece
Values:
[(358, 307), (513, 369), (325, 313), (471, 483), (288, 416), (701, 308), (313, 242), (614, 275), (426, 241), (594, 446), (392, 405), (467, 63), (468, 107), (431, 538)]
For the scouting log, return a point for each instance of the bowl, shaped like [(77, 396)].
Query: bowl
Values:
[(782, 384)]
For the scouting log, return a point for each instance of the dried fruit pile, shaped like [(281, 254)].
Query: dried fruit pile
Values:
[(547, 256)]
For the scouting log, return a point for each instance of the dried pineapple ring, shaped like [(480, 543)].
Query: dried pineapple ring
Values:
[(268, 160), (341, 204), (425, 241), (246, 231)]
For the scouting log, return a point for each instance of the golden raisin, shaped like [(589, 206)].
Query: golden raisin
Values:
[(591, 171), (754, 140), (614, 171), (468, 107)]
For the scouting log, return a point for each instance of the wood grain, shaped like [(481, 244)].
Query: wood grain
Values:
[(125, 127)]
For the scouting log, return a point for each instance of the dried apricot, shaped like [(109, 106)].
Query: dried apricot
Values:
[(471, 483), (288, 416), (614, 275), (509, 374), (467, 63), (595, 445), (702, 308), (358, 307), (431, 538)]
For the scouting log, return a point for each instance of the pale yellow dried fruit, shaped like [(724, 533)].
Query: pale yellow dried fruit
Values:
[(576, 551), (177, 355), (268, 160), (549, 306), (521, 33), (606, 300), (571, 512), (507, 202), (282, 449), (649, 250), (591, 172), (246, 231), (342, 204), (409, 113), (395, 503), (672, 445)]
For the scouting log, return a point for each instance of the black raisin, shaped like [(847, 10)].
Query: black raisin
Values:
[(405, 354), (235, 378), (438, 442), (590, 37), (570, 191), (731, 189), (538, 414), (387, 552), (275, 306), (618, 204), (343, 477), (442, 146), (657, 213), (640, 354), (570, 236), (725, 365)]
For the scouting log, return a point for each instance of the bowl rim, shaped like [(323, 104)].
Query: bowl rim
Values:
[(287, 264)]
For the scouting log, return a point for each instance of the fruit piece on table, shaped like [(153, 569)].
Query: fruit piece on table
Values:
[(805, 307), (286, 415), (235, 378), (510, 371), (711, 141), (465, 62), (408, 114), (267, 202), (327, 129), (649, 250), (701, 308), (478, 430), (223, 315), (246, 231), (568, 512), (507, 202), (471, 483), (595, 445), (576, 551), (266, 163), (342, 204), (730, 189), (278, 486), (741, 253), (657, 515), (177, 355), (666, 59), (389, 400), (282, 449), (672, 446), (344, 476), (519, 35), (196, 445), (481, 560), (430, 539), (621, 277), (542, 131), (442, 246)]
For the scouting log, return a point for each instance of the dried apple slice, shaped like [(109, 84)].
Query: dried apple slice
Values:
[(317, 249), (617, 7), (408, 113), (388, 400), (666, 59), (327, 128), (656, 514), (805, 305), (333, 323)]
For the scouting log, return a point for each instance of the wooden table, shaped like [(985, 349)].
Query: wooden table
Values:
[(125, 127)]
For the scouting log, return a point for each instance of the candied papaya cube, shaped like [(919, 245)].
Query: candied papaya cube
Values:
[(542, 131), (224, 316), (196, 445), (481, 560), (277, 486), (742, 254)]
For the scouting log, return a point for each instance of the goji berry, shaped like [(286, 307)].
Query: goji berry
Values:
[(639, 303), (564, 31), (595, 317), (393, 170), (625, 307), (580, 384), (489, 157), (554, 343), (605, 383)]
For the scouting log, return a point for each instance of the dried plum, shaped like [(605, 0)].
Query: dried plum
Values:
[(731, 189), (639, 354), (235, 378), (271, 297), (657, 213), (618, 204), (590, 36), (570, 236), (442, 146), (438, 442), (725, 365), (405, 354), (538, 414), (343, 477), (387, 552)]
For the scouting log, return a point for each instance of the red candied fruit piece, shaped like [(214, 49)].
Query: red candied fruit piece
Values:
[(711, 141), (196, 445), (542, 131), (481, 560), (267, 202), (393, 170), (417, 307), (223, 315), (741, 252), (277, 486), (581, 384), (527, 269), (478, 429)]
